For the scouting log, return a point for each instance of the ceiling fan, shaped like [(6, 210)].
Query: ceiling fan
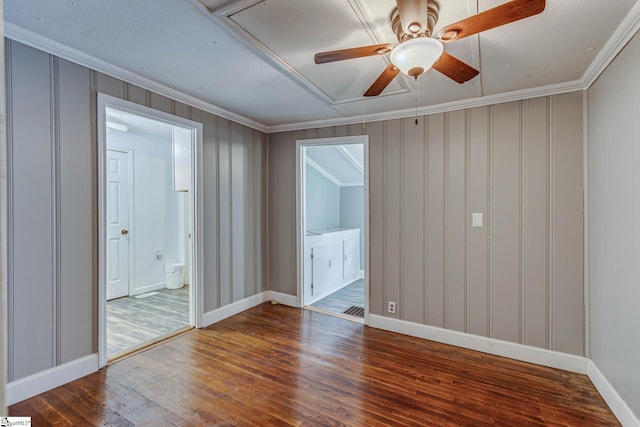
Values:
[(418, 50)]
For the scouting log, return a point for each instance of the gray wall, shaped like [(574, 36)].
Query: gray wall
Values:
[(520, 277), (614, 227), (352, 212), (3, 232), (52, 217), (323, 201)]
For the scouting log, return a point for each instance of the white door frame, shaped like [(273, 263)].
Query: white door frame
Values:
[(131, 212), (196, 202), (301, 214)]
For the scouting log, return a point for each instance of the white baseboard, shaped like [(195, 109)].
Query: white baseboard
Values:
[(617, 404), (285, 299), (148, 288), (540, 356), (32, 385), (213, 316)]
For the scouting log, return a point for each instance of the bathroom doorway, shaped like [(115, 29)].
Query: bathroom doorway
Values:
[(148, 269), (332, 208)]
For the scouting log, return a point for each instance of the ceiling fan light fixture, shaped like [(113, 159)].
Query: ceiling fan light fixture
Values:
[(415, 56)]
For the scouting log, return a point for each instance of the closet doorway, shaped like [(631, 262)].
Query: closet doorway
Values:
[(332, 207)]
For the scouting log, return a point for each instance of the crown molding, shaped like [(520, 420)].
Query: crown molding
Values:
[(517, 95), (618, 40), (629, 26), (45, 44)]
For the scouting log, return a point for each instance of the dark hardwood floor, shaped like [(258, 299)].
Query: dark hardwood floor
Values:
[(276, 365)]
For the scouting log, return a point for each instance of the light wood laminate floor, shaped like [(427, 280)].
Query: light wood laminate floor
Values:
[(132, 321), (281, 366), (351, 295)]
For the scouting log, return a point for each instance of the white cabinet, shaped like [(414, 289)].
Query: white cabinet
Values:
[(326, 268), (351, 258), (332, 261)]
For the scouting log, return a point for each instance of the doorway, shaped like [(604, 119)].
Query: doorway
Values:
[(332, 209), (149, 213)]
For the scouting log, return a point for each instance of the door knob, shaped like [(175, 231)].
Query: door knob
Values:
[(123, 232)]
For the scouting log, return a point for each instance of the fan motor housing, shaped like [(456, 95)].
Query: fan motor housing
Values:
[(425, 28)]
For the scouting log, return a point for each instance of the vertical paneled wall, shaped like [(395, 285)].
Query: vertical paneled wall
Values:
[(3, 231), (52, 209), (519, 278), (234, 166), (614, 229)]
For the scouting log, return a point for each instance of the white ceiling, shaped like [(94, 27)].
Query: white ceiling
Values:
[(138, 124), (252, 60), (342, 164)]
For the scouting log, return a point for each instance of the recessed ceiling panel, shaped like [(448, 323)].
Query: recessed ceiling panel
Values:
[(295, 31)]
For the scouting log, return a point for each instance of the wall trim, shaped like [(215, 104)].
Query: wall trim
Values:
[(525, 353), (213, 316), (481, 101), (40, 382), (4, 240), (280, 298), (618, 40), (586, 245), (42, 43), (616, 403), (45, 44), (300, 207), (149, 288), (196, 203)]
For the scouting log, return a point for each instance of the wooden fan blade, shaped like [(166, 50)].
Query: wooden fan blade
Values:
[(455, 69), (355, 52), (492, 18), (382, 81)]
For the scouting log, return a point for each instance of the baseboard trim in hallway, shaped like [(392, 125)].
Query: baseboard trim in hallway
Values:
[(32, 385), (524, 353)]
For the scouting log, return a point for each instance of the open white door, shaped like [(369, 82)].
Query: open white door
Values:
[(117, 224)]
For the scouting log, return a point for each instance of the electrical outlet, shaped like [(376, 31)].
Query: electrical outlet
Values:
[(392, 307)]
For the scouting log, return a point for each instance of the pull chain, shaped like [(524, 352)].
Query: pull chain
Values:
[(363, 114), (417, 89)]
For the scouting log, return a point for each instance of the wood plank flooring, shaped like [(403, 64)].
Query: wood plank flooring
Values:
[(276, 365)]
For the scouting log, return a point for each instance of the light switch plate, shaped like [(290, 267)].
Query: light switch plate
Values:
[(477, 220)]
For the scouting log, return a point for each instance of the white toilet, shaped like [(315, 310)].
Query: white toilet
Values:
[(174, 275)]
